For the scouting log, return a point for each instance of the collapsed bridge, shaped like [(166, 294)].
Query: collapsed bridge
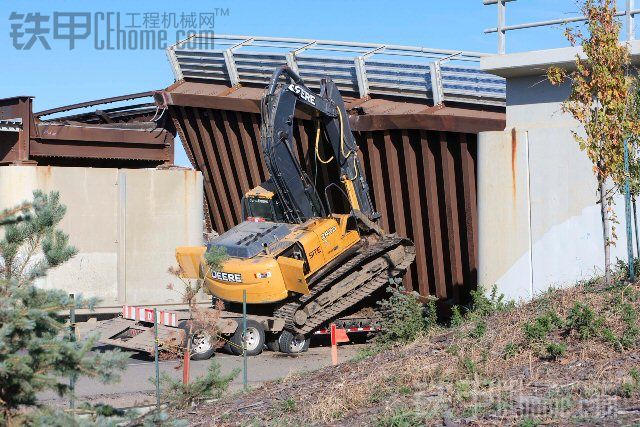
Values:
[(416, 113)]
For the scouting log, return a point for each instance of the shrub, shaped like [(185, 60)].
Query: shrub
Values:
[(209, 386), (541, 326), (555, 350), (404, 318), (484, 305), (478, 330), (288, 405), (456, 317), (630, 389), (583, 321), (510, 350)]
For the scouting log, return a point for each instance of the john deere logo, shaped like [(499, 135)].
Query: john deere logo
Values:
[(227, 277)]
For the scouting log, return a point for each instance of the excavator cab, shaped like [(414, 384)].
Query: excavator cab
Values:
[(262, 204)]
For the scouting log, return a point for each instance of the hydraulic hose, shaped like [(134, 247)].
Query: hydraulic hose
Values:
[(317, 146), (280, 71)]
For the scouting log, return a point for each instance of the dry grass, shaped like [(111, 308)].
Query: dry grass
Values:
[(484, 372)]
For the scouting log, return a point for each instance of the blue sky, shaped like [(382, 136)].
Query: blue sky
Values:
[(62, 76)]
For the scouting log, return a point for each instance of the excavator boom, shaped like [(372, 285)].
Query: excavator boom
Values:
[(299, 196)]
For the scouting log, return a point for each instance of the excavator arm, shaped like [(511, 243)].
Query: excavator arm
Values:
[(299, 196)]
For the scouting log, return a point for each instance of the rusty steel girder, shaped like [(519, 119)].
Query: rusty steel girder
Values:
[(88, 139)]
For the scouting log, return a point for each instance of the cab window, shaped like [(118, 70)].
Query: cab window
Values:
[(259, 208)]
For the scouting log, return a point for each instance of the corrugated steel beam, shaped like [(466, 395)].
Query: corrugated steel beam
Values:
[(451, 215), (411, 146), (226, 163), (216, 202), (249, 149), (468, 166), (429, 145)]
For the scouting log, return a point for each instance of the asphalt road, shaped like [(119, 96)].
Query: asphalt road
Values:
[(136, 386)]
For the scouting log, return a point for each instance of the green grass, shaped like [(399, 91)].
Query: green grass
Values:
[(401, 417), (288, 405)]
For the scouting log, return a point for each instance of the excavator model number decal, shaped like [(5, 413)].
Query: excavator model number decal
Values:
[(311, 99), (328, 232)]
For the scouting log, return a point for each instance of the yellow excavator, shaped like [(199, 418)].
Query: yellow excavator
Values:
[(295, 259)]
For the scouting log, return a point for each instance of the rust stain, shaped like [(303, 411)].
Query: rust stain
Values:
[(514, 150)]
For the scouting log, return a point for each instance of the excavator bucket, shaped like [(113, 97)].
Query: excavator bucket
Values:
[(189, 258)]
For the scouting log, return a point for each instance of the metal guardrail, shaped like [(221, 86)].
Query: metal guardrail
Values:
[(363, 69), (629, 14)]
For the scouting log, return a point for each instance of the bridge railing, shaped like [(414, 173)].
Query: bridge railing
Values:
[(363, 69), (629, 17)]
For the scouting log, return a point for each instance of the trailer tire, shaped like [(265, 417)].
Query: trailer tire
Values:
[(255, 339), (203, 345), (272, 342), (291, 344)]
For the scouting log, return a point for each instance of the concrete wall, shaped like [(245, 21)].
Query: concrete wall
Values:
[(125, 224), (539, 224)]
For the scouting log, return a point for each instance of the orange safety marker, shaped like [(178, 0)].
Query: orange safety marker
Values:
[(337, 335), (185, 367)]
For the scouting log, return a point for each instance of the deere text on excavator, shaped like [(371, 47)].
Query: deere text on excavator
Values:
[(295, 258)]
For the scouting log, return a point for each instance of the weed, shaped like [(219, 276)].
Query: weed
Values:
[(288, 405), (537, 330), (631, 388), (630, 319), (404, 318), (555, 350), (484, 305), (479, 329), (611, 338), (211, 385), (528, 422), (474, 410), (469, 365), (510, 350), (583, 321), (453, 349), (456, 317), (404, 390), (379, 394), (401, 417), (462, 390), (367, 352)]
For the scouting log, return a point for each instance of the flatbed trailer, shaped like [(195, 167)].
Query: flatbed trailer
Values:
[(134, 330)]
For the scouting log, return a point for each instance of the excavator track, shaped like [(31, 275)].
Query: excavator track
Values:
[(388, 257)]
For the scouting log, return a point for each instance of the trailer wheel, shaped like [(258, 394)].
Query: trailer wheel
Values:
[(293, 344), (203, 345), (254, 339)]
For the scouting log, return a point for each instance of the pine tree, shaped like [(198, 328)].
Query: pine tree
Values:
[(34, 354)]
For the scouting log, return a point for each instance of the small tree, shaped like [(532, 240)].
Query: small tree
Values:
[(599, 100), (200, 321), (33, 357)]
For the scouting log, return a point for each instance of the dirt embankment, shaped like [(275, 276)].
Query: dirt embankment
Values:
[(569, 357)]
